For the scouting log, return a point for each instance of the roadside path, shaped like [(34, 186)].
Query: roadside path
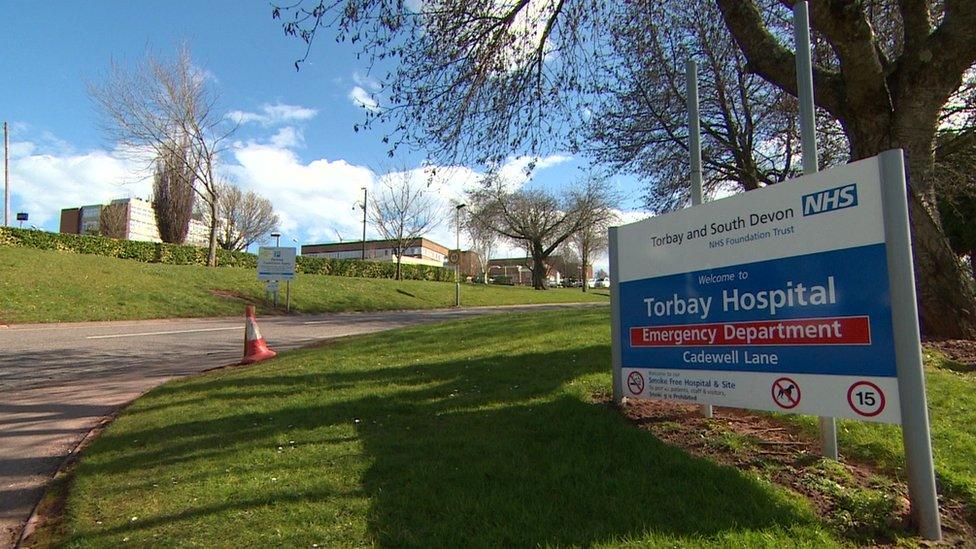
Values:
[(58, 381)]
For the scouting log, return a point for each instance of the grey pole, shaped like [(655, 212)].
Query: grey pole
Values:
[(804, 85), (364, 224), (694, 150), (6, 178), (615, 351), (457, 266), (808, 135), (908, 351), (694, 131)]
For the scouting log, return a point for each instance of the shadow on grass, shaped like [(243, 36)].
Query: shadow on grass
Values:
[(491, 450)]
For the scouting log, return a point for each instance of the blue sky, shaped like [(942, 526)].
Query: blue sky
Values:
[(295, 145)]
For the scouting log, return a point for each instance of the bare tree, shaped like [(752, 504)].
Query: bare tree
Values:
[(113, 220), (750, 137), (539, 220), (152, 105), (245, 217), (893, 70), (173, 195), (590, 241), (479, 79), (484, 241), (403, 211)]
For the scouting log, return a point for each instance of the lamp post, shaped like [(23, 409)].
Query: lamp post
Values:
[(457, 266), (277, 237), (364, 223)]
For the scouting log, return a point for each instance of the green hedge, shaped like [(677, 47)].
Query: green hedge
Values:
[(173, 254)]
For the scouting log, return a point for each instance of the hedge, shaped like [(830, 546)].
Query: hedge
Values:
[(174, 254)]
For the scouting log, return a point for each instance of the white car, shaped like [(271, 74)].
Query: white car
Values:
[(602, 283)]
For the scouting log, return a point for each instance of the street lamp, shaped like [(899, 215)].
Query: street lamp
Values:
[(277, 237), (457, 266), (364, 223)]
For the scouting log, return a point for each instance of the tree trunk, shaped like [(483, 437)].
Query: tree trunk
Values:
[(538, 268), (972, 263), (583, 259), (212, 252), (946, 301), (398, 275), (946, 307)]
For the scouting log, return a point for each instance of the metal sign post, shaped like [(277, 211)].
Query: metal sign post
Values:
[(911, 377), (808, 134), (616, 361), (694, 150)]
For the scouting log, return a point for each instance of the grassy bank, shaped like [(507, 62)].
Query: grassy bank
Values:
[(951, 392), (51, 286), (399, 439)]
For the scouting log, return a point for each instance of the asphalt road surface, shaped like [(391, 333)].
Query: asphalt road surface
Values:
[(58, 381)]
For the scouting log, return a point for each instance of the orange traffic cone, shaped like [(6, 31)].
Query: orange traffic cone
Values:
[(255, 348)]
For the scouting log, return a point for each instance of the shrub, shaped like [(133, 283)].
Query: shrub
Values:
[(173, 254)]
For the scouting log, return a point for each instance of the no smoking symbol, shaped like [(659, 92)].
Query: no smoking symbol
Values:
[(635, 382), (786, 393), (866, 399)]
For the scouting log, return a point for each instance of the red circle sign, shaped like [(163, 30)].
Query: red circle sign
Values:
[(635, 382), (786, 393), (866, 398)]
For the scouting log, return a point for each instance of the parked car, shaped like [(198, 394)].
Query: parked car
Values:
[(602, 283)]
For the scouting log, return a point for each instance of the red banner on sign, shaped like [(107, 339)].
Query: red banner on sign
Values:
[(852, 330)]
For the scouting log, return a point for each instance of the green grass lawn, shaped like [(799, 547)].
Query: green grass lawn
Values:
[(474, 434), (50, 286), (951, 392)]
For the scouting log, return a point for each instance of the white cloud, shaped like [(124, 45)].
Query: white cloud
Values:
[(43, 184), (362, 98), (287, 138), (317, 200), (516, 169), (366, 82), (626, 217), (271, 115)]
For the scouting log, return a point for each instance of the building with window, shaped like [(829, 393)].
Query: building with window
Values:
[(518, 271), (419, 251), (139, 222)]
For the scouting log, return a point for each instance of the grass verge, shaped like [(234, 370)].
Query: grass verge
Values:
[(50, 286), (951, 392), (478, 433)]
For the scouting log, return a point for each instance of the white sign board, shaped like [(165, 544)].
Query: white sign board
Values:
[(276, 263), (776, 299)]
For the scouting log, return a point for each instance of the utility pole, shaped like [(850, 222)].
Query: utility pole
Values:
[(364, 223), (457, 265), (808, 140), (694, 150), (6, 177)]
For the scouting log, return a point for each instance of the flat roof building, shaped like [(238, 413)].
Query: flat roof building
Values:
[(418, 251), (138, 223)]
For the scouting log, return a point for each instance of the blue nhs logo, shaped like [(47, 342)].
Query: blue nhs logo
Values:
[(830, 199)]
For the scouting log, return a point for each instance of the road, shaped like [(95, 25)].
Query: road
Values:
[(58, 381)]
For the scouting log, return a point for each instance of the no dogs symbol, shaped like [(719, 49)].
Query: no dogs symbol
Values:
[(635, 382), (786, 393)]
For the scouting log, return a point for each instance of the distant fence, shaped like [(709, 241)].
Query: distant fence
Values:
[(174, 254)]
